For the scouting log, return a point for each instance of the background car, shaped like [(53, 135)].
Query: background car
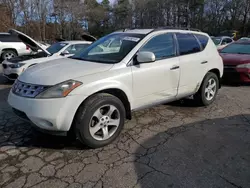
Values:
[(12, 68), (244, 39), (236, 58), (222, 42), (11, 46)]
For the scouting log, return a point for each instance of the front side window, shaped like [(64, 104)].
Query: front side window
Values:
[(99, 52), (54, 48), (187, 44), (235, 48), (162, 46)]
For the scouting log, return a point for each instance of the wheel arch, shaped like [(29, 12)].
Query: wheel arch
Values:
[(218, 74), (11, 49), (119, 93)]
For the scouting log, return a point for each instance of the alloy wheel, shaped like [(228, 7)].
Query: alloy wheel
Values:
[(104, 122), (210, 90)]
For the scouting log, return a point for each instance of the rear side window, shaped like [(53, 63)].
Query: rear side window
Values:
[(162, 46), (227, 40), (203, 40), (188, 44), (9, 38)]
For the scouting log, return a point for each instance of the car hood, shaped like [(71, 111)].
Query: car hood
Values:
[(235, 59), (57, 71), (40, 59), (34, 45)]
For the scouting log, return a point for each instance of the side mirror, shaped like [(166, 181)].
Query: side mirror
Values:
[(145, 57), (66, 52)]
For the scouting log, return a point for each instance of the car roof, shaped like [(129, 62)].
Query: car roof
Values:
[(222, 37), (76, 42)]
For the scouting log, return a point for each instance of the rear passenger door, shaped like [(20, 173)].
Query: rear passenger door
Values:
[(192, 63)]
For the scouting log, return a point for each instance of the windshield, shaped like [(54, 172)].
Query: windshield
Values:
[(54, 48), (236, 49), (216, 41), (111, 48)]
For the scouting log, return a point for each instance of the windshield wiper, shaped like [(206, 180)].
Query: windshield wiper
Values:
[(77, 58)]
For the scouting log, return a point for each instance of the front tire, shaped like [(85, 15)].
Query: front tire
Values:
[(208, 90), (100, 120)]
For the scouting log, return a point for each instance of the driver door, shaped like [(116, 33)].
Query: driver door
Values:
[(158, 81)]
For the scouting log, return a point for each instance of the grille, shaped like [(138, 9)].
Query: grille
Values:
[(27, 90), (4, 66)]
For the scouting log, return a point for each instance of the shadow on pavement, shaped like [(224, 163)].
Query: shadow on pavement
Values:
[(212, 153), (5, 81)]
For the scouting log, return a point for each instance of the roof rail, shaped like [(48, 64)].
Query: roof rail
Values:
[(178, 28)]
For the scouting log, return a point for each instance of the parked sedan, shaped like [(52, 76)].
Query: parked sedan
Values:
[(12, 68), (236, 58)]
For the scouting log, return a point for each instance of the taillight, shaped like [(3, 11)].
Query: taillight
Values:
[(27, 48)]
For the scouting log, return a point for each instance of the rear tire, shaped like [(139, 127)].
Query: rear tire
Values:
[(100, 120), (8, 54), (208, 90)]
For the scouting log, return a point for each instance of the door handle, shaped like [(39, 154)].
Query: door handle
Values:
[(175, 67), (204, 62)]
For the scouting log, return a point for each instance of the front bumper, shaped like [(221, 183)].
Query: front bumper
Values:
[(244, 74), (236, 74), (47, 114), (11, 73)]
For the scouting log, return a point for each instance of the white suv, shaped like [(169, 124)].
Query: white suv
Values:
[(11, 46), (91, 93)]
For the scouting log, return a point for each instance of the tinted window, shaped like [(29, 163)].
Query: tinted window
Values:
[(9, 38), (228, 40), (187, 44), (203, 40), (162, 46), (54, 48), (216, 41), (235, 48)]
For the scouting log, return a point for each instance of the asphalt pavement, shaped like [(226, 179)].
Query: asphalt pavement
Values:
[(174, 145)]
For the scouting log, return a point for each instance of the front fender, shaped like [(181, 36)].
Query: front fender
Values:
[(95, 87)]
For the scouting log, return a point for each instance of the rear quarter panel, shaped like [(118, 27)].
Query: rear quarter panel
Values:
[(215, 60)]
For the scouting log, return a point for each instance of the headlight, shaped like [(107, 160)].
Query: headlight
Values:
[(16, 65), (60, 90), (245, 66)]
